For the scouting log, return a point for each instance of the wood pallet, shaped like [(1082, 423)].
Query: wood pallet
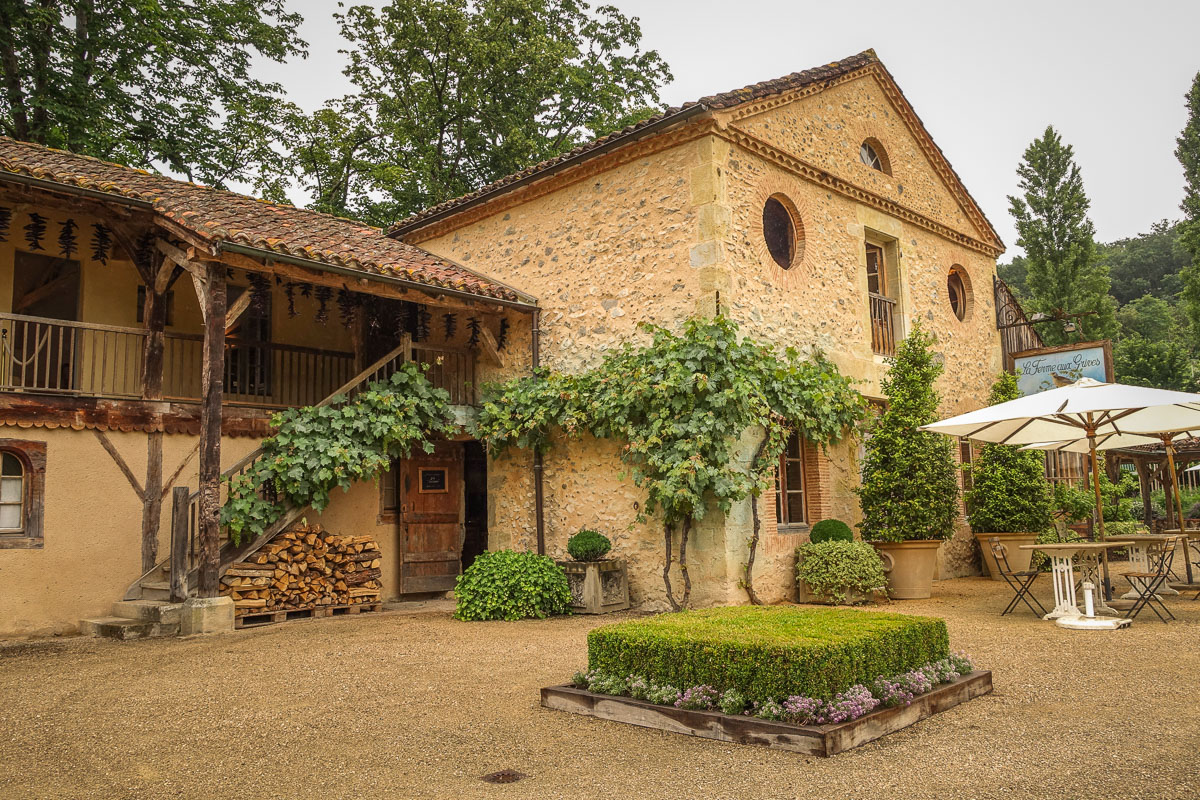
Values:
[(286, 614)]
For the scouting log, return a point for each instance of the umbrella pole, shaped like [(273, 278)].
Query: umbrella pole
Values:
[(1187, 555), (1091, 434)]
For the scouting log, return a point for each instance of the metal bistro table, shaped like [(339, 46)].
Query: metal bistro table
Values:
[(1062, 555), (1139, 556), (1190, 536)]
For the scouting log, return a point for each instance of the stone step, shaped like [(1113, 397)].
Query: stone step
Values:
[(148, 611), (156, 590), (125, 629)]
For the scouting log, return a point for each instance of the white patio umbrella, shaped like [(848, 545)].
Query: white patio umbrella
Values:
[(1084, 411)]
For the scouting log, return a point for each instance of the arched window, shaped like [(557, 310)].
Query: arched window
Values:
[(872, 154), (12, 493), (958, 290), (781, 231)]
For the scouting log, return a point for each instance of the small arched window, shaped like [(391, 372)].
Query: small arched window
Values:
[(12, 493), (872, 154)]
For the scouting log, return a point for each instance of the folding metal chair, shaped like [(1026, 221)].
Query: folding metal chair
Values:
[(1147, 584), (1020, 582)]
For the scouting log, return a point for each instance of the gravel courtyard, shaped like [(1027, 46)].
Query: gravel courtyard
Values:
[(416, 705)]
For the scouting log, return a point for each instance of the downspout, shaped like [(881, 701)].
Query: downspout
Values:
[(539, 516)]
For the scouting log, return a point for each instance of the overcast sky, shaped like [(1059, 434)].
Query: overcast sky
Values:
[(986, 78)]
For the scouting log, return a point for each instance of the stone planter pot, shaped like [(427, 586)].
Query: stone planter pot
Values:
[(597, 587), (1018, 559), (909, 567), (805, 594)]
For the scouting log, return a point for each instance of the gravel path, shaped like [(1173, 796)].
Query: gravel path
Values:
[(401, 705)]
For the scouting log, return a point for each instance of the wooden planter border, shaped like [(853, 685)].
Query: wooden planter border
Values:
[(817, 740)]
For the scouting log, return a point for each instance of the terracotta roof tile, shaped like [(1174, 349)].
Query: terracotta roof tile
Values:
[(220, 216)]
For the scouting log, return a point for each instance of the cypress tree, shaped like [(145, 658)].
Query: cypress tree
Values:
[(1063, 273), (1188, 153)]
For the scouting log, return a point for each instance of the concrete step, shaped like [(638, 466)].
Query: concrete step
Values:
[(124, 628), (156, 590), (148, 611)]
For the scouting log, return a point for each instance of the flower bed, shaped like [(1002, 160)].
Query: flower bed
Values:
[(765, 654)]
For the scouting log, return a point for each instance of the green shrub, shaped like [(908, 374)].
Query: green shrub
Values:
[(588, 545), (831, 530), (836, 568), (1009, 491), (1040, 560), (909, 486), (504, 584), (768, 651)]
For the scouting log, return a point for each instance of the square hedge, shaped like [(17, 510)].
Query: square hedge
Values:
[(768, 651)]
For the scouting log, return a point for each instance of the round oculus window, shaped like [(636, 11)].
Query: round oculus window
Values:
[(779, 232), (958, 290)]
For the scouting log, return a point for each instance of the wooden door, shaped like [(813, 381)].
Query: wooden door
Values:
[(431, 523)]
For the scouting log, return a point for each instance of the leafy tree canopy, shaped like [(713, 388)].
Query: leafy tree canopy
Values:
[(1062, 271), (150, 82), (452, 94), (1148, 264)]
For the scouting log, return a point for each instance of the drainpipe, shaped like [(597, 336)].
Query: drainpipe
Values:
[(535, 341)]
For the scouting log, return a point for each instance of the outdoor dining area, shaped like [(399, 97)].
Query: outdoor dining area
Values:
[(1091, 417)]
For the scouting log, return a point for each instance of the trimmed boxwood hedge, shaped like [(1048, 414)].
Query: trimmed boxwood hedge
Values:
[(769, 652)]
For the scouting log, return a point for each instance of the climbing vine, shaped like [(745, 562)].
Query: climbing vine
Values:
[(317, 449), (679, 405)]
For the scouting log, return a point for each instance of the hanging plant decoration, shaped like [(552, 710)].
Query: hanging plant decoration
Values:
[(474, 327), (5, 222), (348, 303), (278, 281), (306, 290), (289, 291), (323, 295), (423, 320), (35, 231), (450, 325), (402, 319), (67, 241), (502, 339), (144, 253), (101, 242), (260, 292)]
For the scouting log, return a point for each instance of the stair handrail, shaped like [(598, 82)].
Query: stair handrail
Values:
[(382, 369)]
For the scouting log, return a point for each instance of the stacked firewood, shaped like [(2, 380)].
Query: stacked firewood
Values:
[(305, 567)]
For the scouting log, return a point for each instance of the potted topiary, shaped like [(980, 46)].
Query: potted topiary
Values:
[(909, 490), (1010, 498), (833, 569), (598, 585)]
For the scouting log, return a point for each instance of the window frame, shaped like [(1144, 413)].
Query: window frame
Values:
[(32, 456), (782, 514)]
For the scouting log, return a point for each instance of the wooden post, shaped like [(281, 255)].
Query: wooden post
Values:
[(212, 378), (179, 543), (1144, 488), (155, 315), (1187, 555)]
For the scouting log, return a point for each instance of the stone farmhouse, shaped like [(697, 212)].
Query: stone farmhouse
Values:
[(152, 326)]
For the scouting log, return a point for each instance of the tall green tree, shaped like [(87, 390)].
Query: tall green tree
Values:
[(1063, 274), (452, 94), (1147, 264), (152, 82), (1188, 152)]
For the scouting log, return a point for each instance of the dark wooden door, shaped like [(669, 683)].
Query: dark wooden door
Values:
[(431, 525)]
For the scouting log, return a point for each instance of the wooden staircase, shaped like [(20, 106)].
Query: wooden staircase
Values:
[(151, 606)]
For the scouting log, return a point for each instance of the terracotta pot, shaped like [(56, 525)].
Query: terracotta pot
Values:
[(1018, 559), (909, 567)]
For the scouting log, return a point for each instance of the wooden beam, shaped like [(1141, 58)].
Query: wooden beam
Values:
[(162, 281), (364, 285), (489, 351), (179, 544), (121, 465), (237, 309), (180, 258), (212, 381), (45, 290)]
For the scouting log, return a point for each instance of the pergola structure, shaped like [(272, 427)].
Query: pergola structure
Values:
[(1150, 461)]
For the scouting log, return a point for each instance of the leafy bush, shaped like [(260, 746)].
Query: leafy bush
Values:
[(320, 448), (909, 484), (588, 545), (1040, 560), (1009, 493), (768, 651), (503, 584), (834, 569), (831, 530)]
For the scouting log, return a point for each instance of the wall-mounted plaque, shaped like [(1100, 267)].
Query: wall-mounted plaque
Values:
[(433, 480)]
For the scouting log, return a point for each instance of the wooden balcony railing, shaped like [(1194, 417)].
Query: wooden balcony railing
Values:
[(883, 324), (83, 359)]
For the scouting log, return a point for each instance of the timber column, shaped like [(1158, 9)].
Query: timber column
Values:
[(212, 379)]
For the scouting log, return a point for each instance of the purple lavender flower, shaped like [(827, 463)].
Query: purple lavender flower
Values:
[(699, 698)]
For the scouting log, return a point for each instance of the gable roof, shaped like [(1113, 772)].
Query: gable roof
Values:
[(220, 217), (672, 116)]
